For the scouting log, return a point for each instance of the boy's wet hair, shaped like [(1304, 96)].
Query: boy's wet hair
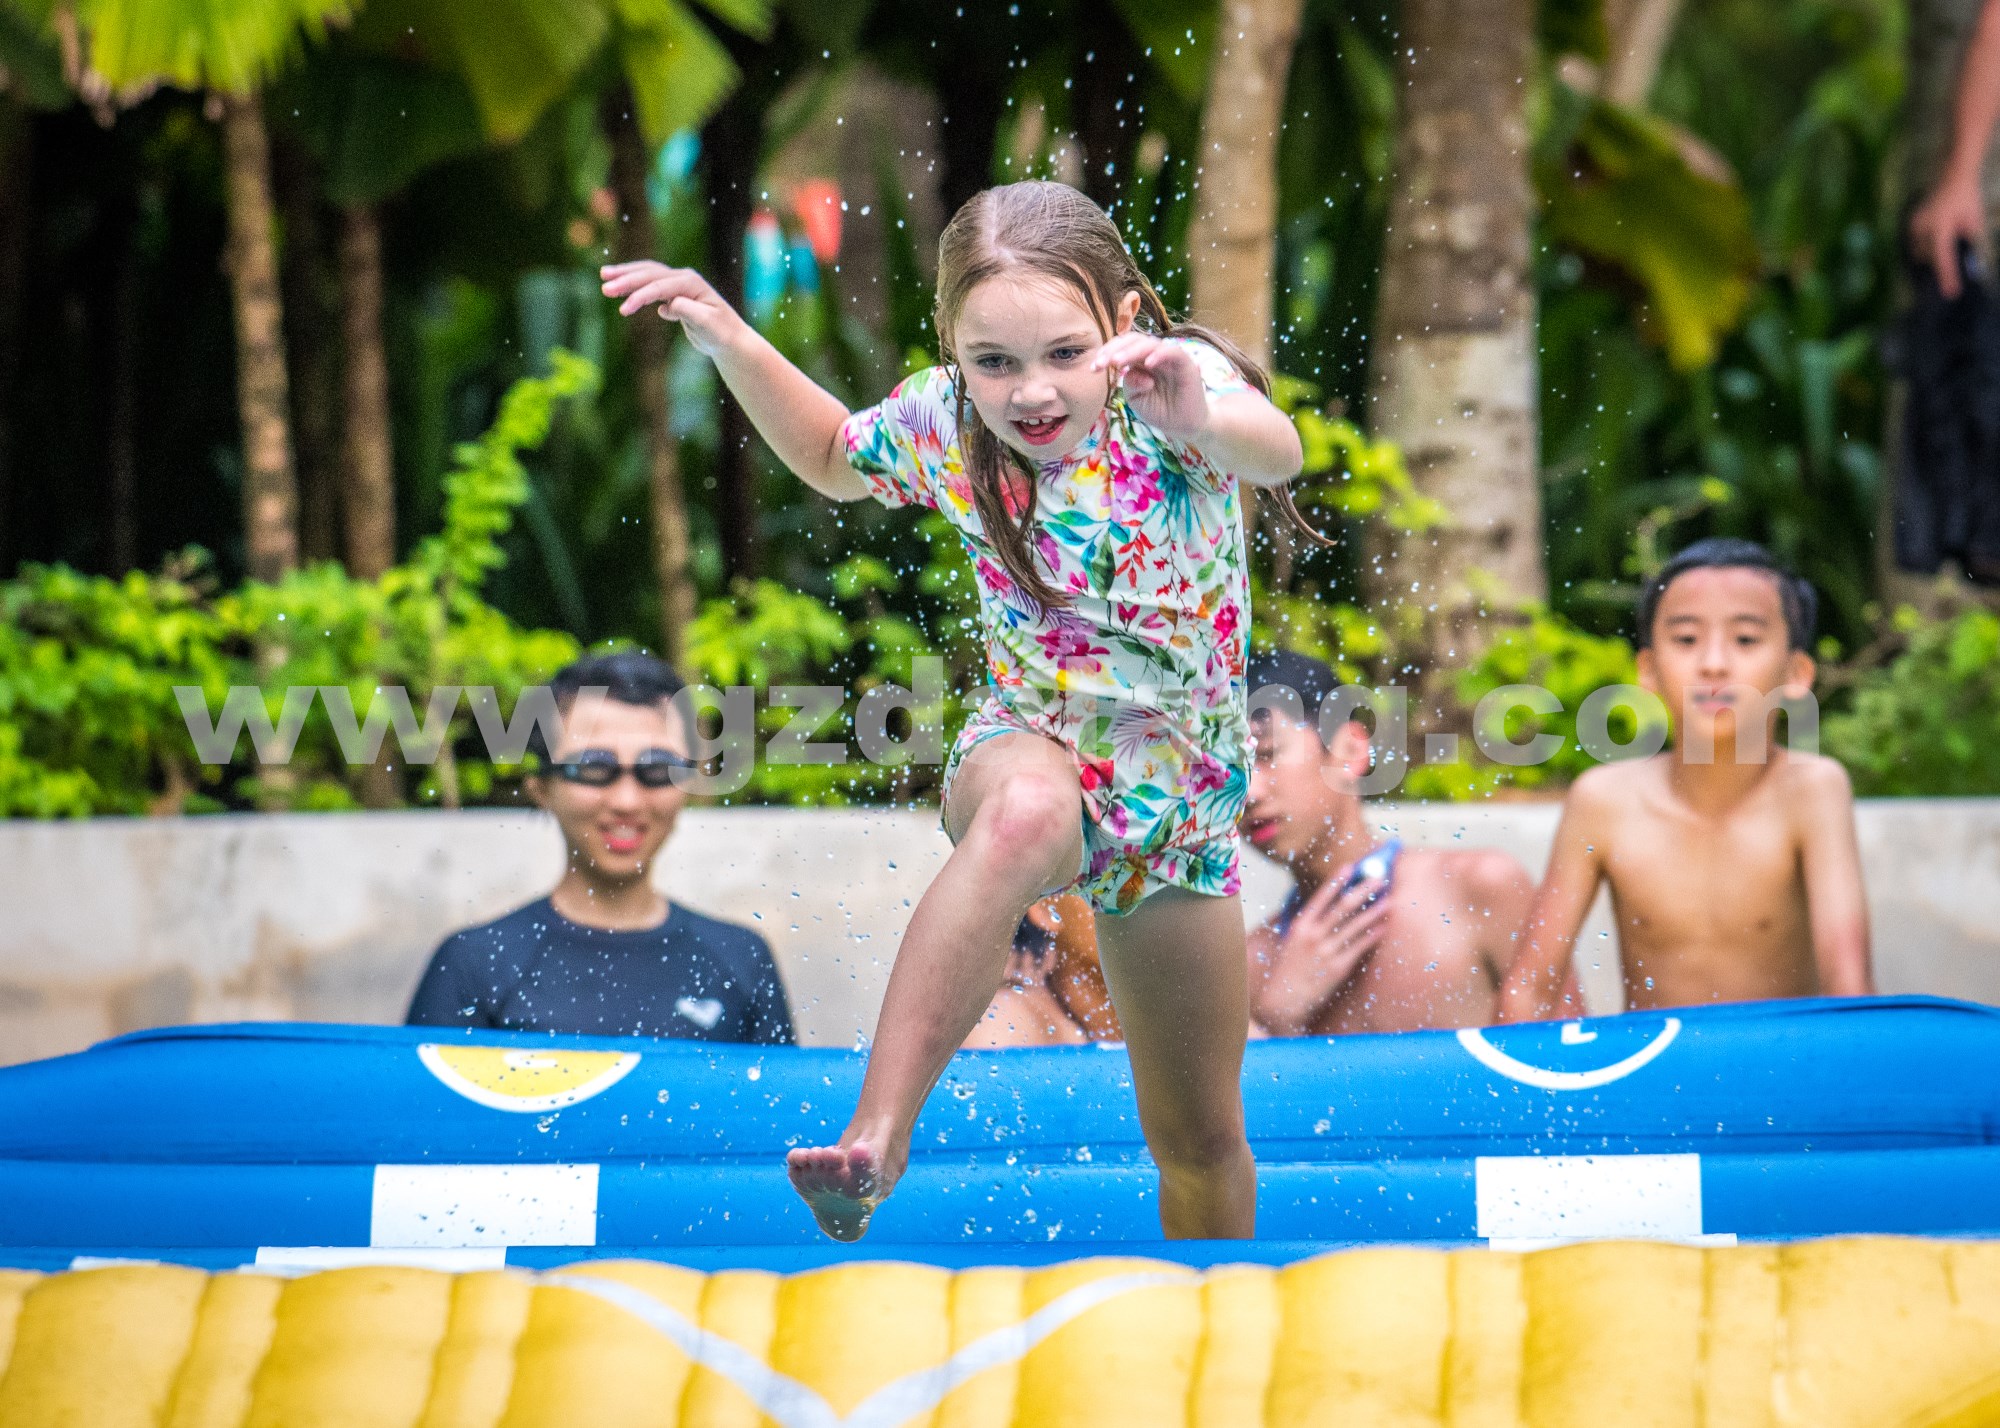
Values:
[(1311, 679), (627, 676), (1796, 596)]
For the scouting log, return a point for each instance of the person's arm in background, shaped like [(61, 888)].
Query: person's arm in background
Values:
[(1836, 902), (449, 993), (1540, 976), (1956, 207)]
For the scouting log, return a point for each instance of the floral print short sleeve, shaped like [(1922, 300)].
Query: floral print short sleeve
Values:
[(1140, 676)]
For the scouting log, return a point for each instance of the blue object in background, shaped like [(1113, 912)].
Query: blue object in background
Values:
[(804, 267), (1775, 1120), (671, 167), (763, 266)]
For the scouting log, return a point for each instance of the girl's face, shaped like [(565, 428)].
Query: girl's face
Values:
[(1024, 346)]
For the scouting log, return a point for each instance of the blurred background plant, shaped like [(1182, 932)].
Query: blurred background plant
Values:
[(1712, 264)]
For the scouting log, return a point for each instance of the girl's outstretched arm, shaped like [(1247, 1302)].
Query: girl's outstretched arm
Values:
[(798, 418), (1242, 433)]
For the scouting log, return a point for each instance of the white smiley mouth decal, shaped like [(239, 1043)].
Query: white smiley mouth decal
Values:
[(1494, 1059)]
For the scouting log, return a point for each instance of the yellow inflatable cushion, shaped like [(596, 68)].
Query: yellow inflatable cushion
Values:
[(1860, 1333)]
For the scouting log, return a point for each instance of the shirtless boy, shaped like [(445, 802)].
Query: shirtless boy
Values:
[(1427, 947), (1735, 876)]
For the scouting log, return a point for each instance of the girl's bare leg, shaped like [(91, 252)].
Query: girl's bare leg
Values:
[(1016, 816), (1176, 968)]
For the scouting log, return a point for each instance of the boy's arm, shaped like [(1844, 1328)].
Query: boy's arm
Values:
[(1539, 979), (1836, 901), (799, 419)]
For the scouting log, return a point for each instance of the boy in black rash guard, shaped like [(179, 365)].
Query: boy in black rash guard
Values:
[(605, 953)]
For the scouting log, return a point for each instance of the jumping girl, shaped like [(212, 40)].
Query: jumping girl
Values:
[(1088, 451)]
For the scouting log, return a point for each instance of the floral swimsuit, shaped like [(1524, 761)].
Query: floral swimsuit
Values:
[(1140, 676)]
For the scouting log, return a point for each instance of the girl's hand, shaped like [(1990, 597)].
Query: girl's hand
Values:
[(683, 296), (1162, 383)]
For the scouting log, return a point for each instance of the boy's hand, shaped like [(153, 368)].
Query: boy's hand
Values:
[(1162, 383), (683, 296), (1334, 932)]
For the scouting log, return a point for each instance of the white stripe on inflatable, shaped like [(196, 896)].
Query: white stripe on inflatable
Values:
[(1588, 1197), (464, 1206), (311, 1259), (1494, 1059), (789, 1402)]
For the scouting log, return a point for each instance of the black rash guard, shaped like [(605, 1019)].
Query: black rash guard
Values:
[(691, 977)]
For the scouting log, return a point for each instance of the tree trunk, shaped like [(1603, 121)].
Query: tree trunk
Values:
[(651, 342), (974, 103), (1639, 31), (1453, 371), (270, 492), (729, 148), (1106, 114), (368, 487), (121, 408), (310, 290), (17, 166), (1233, 236)]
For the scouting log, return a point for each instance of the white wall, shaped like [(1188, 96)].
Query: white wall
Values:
[(113, 924)]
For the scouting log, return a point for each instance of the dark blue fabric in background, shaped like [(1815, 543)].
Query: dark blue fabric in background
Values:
[(691, 978)]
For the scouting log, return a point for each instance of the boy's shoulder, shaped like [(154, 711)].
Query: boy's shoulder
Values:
[(1816, 781), (1613, 785), (1474, 874)]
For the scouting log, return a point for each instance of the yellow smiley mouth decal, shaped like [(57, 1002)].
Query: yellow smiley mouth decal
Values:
[(508, 1078)]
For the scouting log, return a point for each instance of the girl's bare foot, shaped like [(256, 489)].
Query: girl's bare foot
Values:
[(841, 1185)]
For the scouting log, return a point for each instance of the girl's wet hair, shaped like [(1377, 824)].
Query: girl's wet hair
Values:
[(1052, 231)]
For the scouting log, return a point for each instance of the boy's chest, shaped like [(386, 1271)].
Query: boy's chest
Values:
[(1736, 876)]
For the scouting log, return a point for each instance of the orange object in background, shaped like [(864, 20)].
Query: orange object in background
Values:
[(817, 203)]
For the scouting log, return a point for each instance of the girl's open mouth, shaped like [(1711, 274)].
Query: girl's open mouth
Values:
[(1040, 431)]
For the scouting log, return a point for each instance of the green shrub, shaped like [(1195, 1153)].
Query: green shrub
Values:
[(89, 719), (1928, 721)]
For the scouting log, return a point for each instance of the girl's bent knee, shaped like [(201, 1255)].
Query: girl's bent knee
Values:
[(1029, 816)]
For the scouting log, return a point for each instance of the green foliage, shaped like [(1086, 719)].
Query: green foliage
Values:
[(1572, 27), (1624, 193), (198, 44), (1803, 101), (90, 723), (1927, 721), (1550, 653), (1346, 471)]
